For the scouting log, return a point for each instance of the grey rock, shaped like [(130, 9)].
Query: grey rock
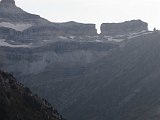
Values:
[(62, 29), (8, 2), (132, 26), (10, 13)]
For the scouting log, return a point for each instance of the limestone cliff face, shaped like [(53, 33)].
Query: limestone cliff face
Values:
[(63, 29), (123, 28), (9, 12), (26, 61), (78, 29), (14, 17)]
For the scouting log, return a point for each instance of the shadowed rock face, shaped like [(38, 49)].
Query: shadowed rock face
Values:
[(75, 28), (63, 29), (121, 86), (123, 28)]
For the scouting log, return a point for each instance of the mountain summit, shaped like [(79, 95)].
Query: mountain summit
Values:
[(9, 7), (8, 2), (16, 18)]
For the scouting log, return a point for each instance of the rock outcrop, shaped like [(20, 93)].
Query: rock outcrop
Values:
[(18, 103), (112, 29), (78, 29), (62, 29)]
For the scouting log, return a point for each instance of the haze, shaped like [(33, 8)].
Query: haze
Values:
[(95, 11)]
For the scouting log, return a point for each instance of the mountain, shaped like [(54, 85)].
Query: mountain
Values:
[(14, 17), (18, 103), (87, 76), (122, 86), (45, 45)]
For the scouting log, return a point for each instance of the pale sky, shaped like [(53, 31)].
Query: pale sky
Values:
[(95, 11)]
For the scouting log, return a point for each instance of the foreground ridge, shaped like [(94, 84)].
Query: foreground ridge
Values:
[(18, 103)]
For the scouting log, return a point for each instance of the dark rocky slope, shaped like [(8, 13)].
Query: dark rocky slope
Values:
[(18, 103), (122, 86)]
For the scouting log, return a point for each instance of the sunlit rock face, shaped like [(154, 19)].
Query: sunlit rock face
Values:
[(123, 28)]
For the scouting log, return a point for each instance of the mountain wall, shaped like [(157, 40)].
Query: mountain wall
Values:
[(110, 29), (63, 29)]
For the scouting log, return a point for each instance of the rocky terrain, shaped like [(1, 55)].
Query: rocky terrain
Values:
[(18, 103), (133, 26), (122, 86), (87, 76)]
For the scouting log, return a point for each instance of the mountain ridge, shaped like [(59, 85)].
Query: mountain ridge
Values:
[(16, 15)]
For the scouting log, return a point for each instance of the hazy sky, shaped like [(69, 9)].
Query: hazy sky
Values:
[(95, 11)]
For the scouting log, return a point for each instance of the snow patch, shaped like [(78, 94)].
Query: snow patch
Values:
[(5, 44), (137, 35), (99, 41), (62, 37), (115, 40), (46, 40), (17, 27), (72, 37)]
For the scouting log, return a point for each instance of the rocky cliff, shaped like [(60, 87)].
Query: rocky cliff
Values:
[(62, 29), (11, 15), (79, 29), (18, 103), (15, 18), (133, 26)]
